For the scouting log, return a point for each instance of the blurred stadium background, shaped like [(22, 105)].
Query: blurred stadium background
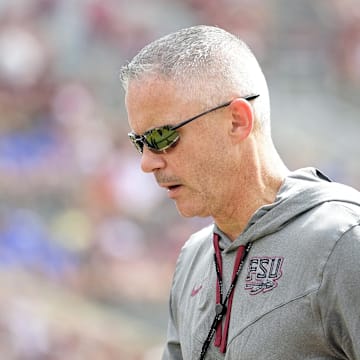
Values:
[(88, 243)]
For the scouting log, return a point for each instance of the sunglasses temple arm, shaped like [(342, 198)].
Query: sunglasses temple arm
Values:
[(202, 114)]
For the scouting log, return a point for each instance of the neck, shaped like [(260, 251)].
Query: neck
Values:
[(262, 184)]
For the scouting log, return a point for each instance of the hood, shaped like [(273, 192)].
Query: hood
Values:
[(301, 191)]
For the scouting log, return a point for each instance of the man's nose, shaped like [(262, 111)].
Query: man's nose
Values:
[(151, 161)]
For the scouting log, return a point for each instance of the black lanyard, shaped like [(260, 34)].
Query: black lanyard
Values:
[(221, 307)]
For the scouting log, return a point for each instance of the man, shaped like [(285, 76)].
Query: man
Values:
[(277, 275)]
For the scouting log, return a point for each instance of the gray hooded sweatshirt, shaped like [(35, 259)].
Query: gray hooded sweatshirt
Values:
[(298, 293)]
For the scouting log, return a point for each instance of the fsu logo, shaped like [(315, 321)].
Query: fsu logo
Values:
[(263, 274)]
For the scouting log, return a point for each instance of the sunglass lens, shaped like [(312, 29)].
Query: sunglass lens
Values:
[(137, 142), (161, 138), (139, 145)]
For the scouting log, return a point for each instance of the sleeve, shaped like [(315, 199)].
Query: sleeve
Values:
[(339, 296), (172, 349)]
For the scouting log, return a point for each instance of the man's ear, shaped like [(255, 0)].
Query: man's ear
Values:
[(242, 119)]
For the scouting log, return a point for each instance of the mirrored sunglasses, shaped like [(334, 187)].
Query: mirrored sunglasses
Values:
[(164, 137)]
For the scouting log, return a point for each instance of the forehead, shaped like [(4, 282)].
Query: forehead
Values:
[(153, 101), (150, 90)]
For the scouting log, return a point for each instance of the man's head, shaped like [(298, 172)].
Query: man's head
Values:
[(178, 77), (206, 62)]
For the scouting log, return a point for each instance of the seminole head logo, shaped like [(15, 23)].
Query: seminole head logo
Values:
[(263, 274)]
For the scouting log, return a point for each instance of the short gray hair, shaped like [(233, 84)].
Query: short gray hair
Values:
[(204, 60)]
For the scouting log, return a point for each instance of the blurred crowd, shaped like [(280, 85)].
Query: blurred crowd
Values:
[(83, 232)]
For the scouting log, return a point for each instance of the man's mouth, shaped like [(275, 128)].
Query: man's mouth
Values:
[(173, 190), (173, 187)]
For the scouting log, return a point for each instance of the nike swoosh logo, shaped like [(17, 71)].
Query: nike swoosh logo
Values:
[(194, 291)]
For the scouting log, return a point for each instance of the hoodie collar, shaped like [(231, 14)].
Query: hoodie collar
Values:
[(300, 191)]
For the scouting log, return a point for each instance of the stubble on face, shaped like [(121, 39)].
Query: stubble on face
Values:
[(206, 178)]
